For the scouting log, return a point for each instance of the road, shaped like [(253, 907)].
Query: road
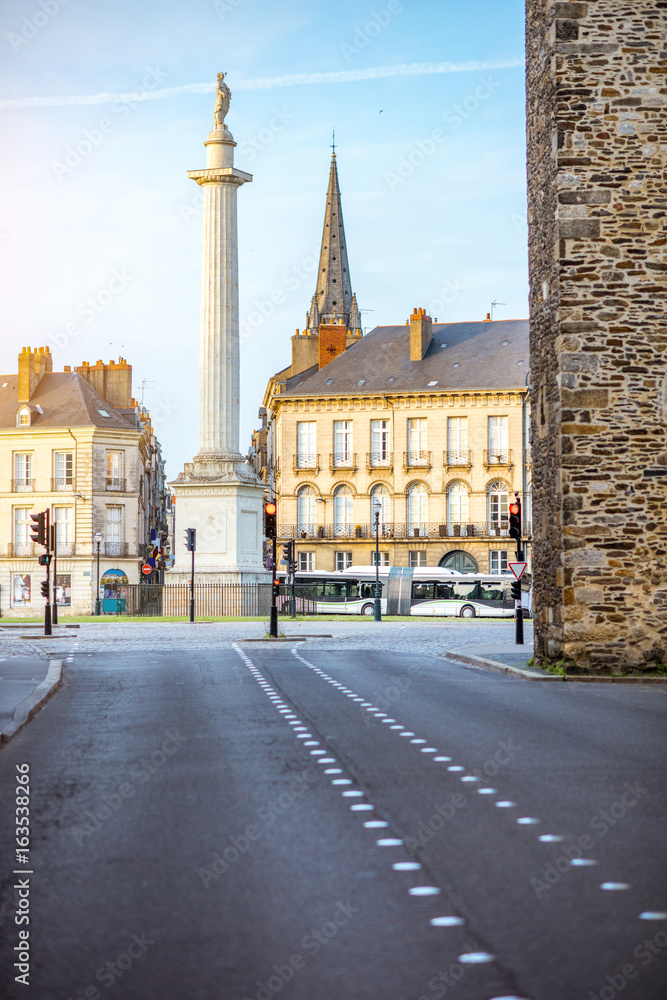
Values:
[(242, 822)]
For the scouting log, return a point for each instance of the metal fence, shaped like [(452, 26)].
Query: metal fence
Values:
[(212, 600), (304, 600)]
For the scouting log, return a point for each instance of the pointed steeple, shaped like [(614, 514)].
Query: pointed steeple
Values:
[(333, 295)]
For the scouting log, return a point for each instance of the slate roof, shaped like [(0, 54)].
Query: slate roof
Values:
[(66, 399), (491, 355)]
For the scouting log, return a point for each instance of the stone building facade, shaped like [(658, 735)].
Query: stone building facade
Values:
[(597, 152)]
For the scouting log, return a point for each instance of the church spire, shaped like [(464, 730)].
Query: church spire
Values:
[(333, 296)]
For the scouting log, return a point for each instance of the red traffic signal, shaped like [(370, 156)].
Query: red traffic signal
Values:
[(270, 524), (515, 508), (515, 521), (270, 508)]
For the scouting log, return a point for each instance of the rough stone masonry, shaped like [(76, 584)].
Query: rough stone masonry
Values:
[(597, 210)]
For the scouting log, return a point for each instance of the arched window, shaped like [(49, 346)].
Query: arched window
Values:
[(305, 507), (343, 511), (461, 561), (23, 417), (457, 509), (417, 498), (498, 503), (381, 493)]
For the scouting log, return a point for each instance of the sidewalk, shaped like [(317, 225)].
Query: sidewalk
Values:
[(26, 682)]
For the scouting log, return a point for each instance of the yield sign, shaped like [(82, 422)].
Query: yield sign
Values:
[(518, 568)]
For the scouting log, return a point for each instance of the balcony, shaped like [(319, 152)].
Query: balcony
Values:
[(343, 463), (305, 463), (402, 530), (116, 548), (498, 460), (457, 459), (63, 484), (23, 486), (114, 485), (65, 549), (376, 463), (21, 549), (416, 460)]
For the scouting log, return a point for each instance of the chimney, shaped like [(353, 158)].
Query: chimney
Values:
[(332, 342), (32, 366), (421, 332), (488, 318), (113, 381)]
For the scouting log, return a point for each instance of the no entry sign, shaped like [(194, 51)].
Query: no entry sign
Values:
[(146, 569)]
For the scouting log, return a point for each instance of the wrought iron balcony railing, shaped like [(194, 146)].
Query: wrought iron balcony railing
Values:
[(23, 485), (306, 463), (457, 459), (63, 484), (416, 460), (403, 530), (498, 459), (114, 485), (379, 463), (343, 463)]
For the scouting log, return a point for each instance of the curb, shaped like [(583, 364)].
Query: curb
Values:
[(25, 710), (529, 675)]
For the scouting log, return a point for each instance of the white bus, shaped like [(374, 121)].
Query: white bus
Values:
[(408, 590)]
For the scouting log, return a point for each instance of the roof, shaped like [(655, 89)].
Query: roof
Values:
[(489, 355), (66, 399)]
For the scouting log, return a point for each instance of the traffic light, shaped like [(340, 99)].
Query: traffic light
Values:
[(516, 590), (191, 539), (45, 559), (270, 527), (288, 555), (45, 588), (276, 587), (515, 519), (39, 528)]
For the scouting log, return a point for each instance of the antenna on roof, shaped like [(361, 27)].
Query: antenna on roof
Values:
[(494, 304), (333, 140), (144, 383)]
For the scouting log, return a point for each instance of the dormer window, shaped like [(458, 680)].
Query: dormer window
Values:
[(23, 417)]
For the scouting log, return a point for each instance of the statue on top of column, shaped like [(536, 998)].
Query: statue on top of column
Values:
[(223, 96)]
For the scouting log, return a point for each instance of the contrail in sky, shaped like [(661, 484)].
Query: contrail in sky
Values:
[(269, 83)]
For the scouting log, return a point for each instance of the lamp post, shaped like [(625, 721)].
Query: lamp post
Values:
[(377, 608), (98, 542)]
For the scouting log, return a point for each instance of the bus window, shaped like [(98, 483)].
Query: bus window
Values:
[(444, 591), (466, 590), (335, 590), (491, 591), (422, 591), (367, 590)]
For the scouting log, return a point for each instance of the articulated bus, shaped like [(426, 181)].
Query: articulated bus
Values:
[(408, 590)]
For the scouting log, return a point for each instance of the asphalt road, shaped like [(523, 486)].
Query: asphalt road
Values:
[(189, 839)]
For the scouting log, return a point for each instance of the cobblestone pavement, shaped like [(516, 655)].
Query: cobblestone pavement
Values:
[(429, 638)]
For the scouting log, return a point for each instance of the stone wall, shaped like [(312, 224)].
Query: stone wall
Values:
[(597, 152)]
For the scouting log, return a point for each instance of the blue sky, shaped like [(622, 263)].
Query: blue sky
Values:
[(431, 166)]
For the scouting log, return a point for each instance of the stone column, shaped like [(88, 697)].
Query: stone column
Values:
[(597, 151)]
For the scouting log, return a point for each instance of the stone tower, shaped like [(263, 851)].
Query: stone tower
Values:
[(597, 151), (218, 493)]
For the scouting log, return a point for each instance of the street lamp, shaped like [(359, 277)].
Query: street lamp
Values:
[(98, 542), (377, 508)]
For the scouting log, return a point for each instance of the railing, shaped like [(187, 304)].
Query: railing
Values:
[(62, 483), (498, 459), (338, 463), (116, 548), (23, 485), (65, 549), (301, 463), (416, 460), (457, 459), (21, 549), (374, 462), (115, 485), (401, 530), (212, 600)]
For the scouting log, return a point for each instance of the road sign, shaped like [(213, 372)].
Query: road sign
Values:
[(518, 568), (146, 569)]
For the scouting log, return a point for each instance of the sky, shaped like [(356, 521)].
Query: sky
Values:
[(104, 108)]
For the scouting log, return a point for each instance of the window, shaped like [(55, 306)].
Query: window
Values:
[(343, 510), (113, 526), (64, 520), (23, 473), (305, 509), (416, 558), (422, 591), (382, 560), (306, 562), (417, 454), (306, 444), (417, 509), (444, 591), (380, 447), (343, 560), (461, 561), (64, 589), (63, 469), (457, 440), (20, 590), (498, 440), (381, 493), (491, 591), (114, 470), (498, 504), (22, 542), (343, 442), (23, 420), (498, 561), (457, 509), (467, 590)]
